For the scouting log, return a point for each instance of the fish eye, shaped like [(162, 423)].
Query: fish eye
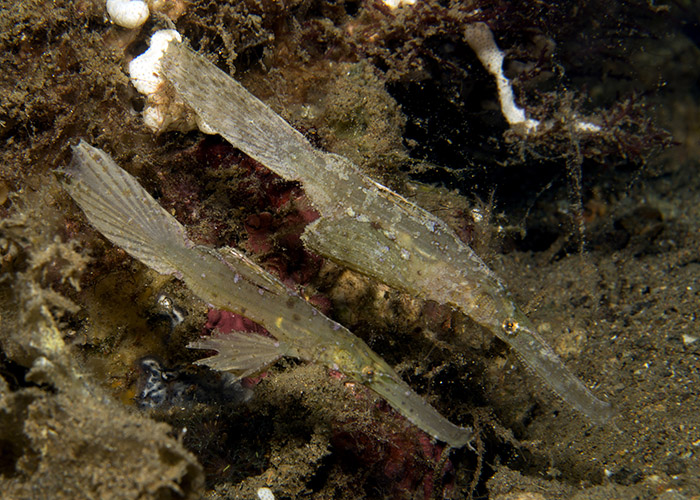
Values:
[(367, 373), (510, 326)]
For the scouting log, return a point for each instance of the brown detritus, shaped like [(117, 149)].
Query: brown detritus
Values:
[(55, 416), (86, 437), (628, 134), (60, 81), (346, 432)]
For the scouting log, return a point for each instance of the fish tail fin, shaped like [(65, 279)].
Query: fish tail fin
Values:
[(241, 353), (116, 205)]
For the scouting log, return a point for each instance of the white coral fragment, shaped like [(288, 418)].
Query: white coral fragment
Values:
[(265, 494), (131, 14), (588, 127), (128, 13)]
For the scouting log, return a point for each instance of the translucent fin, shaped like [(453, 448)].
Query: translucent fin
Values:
[(242, 353), (117, 206), (251, 271), (242, 119)]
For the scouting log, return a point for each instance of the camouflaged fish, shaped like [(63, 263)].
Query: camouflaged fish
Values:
[(367, 227), (117, 206)]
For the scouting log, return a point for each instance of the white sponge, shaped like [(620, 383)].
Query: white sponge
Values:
[(145, 70), (480, 39), (128, 13), (164, 110), (395, 4)]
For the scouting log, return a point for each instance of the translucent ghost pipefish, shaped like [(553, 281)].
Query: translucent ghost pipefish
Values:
[(367, 227), (116, 205)]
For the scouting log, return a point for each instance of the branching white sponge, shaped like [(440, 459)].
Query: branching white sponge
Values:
[(480, 39)]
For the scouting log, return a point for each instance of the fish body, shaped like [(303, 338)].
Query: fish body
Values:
[(116, 205), (366, 226)]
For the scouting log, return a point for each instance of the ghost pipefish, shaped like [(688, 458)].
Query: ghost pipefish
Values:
[(367, 227), (117, 206)]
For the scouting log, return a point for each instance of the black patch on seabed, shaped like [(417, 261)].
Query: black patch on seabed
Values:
[(162, 388)]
